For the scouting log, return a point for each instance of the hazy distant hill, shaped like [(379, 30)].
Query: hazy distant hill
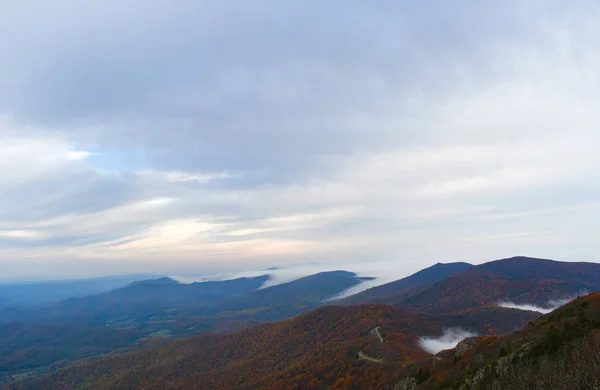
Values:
[(269, 304), (308, 292), (21, 295), (138, 299), (154, 282)]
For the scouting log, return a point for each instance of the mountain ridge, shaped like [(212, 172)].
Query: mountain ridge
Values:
[(423, 277), (325, 345)]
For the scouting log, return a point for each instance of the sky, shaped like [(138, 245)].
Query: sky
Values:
[(178, 136)]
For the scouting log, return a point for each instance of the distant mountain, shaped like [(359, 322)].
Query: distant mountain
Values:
[(155, 282), (28, 347), (424, 277), (530, 268), (32, 294), (137, 300), (308, 292), (264, 305), (521, 280), (473, 296)]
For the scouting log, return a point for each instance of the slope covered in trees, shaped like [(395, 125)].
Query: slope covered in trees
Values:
[(365, 346), (316, 349), (27, 347), (560, 350), (520, 280)]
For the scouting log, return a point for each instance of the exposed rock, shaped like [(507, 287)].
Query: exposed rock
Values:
[(463, 346), (406, 384)]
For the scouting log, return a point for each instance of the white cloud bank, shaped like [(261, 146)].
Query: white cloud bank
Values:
[(550, 306), (448, 340), (382, 272)]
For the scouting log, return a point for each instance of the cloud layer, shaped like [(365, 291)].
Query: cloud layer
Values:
[(378, 272), (448, 340), (550, 306), (184, 135)]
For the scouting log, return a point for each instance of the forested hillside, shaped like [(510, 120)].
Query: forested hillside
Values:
[(368, 346), (27, 349), (560, 350), (317, 349)]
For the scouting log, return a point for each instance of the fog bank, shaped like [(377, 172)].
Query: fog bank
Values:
[(448, 340)]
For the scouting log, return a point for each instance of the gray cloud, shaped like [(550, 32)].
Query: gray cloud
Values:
[(269, 132)]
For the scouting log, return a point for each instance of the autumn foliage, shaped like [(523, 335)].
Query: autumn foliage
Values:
[(316, 350)]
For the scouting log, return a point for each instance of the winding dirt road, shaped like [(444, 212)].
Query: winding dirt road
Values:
[(363, 355), (376, 332)]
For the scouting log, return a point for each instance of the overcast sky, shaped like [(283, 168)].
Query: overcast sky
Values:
[(152, 136)]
